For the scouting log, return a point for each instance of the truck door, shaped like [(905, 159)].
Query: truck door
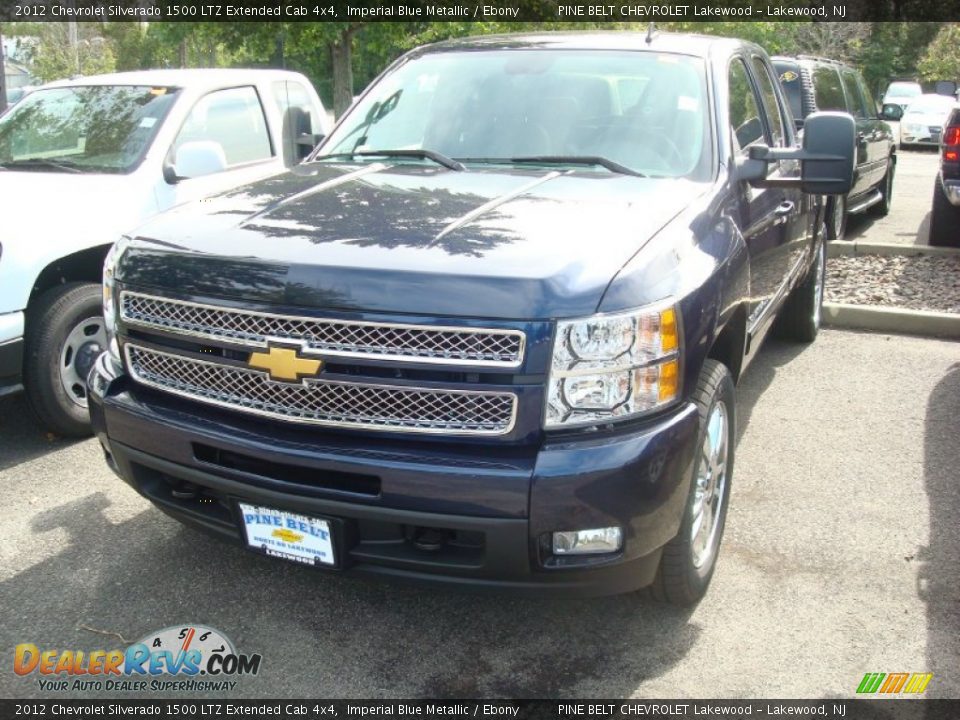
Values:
[(870, 130), (233, 123), (764, 213)]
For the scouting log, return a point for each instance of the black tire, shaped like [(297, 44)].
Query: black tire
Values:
[(944, 219), (801, 314), (50, 321), (679, 581), (837, 217), (882, 208)]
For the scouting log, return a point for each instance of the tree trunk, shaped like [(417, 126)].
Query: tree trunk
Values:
[(3, 79), (340, 54), (74, 44), (183, 53)]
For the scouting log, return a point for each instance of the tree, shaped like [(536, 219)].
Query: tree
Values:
[(941, 59), (53, 57)]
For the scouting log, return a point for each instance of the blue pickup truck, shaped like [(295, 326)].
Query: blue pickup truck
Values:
[(488, 334)]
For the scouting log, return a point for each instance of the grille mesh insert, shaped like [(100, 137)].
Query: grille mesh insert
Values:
[(322, 402), (452, 346)]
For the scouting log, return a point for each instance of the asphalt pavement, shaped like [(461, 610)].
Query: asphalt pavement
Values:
[(909, 220), (840, 558)]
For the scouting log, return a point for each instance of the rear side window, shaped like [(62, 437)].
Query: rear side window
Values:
[(770, 104), (828, 90), (857, 103), (792, 84), (744, 111), (234, 120), (871, 103)]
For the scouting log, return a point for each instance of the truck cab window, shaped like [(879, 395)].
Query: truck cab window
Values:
[(770, 104), (828, 90), (233, 119), (744, 112)]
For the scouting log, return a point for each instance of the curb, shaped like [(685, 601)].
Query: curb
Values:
[(892, 320), (837, 248)]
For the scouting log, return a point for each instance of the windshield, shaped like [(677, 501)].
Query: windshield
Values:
[(936, 104), (95, 128), (903, 90), (644, 111)]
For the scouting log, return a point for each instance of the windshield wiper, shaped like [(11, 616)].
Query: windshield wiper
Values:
[(65, 165), (438, 158), (610, 165)]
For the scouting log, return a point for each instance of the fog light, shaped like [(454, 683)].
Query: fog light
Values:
[(587, 542)]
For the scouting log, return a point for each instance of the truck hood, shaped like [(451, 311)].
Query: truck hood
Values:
[(497, 243), (66, 212)]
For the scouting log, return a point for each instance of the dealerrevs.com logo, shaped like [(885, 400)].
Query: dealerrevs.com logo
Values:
[(188, 657)]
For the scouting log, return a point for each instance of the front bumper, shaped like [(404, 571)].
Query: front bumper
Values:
[(919, 137), (495, 506)]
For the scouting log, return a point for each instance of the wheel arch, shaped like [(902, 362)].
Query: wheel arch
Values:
[(82, 266), (730, 342)]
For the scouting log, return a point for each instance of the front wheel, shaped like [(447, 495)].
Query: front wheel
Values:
[(688, 561), (65, 334), (882, 208), (837, 225), (801, 314)]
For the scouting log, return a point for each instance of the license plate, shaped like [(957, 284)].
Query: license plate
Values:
[(302, 539)]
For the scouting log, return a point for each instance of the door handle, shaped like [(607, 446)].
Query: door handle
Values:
[(784, 208)]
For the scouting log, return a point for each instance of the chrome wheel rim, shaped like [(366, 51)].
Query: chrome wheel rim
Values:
[(84, 343), (709, 491), (818, 285), (839, 207)]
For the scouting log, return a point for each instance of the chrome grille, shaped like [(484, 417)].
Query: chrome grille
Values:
[(331, 338), (326, 402)]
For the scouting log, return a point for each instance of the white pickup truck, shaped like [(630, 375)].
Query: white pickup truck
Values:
[(85, 160)]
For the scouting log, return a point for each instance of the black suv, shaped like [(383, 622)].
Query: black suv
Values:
[(945, 216), (812, 84)]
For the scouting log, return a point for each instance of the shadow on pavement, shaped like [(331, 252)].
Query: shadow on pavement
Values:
[(322, 635), (21, 436), (773, 355), (939, 576)]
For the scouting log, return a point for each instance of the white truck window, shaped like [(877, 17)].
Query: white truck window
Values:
[(233, 118)]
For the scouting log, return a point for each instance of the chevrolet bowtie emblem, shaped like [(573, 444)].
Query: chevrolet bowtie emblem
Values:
[(284, 364)]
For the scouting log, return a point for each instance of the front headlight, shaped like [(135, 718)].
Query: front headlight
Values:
[(611, 367), (109, 299)]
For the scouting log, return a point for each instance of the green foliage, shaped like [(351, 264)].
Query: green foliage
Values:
[(320, 50), (54, 57), (941, 60)]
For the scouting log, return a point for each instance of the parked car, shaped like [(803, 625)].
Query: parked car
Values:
[(15, 95), (923, 120), (813, 84), (488, 334), (945, 215), (901, 92), (84, 160)]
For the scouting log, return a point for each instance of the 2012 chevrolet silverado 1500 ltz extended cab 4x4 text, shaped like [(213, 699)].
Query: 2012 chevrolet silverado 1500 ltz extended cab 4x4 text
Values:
[(488, 334)]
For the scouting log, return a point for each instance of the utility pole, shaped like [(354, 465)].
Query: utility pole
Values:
[(3, 77)]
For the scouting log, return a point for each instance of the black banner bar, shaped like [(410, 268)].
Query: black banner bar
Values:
[(212, 709), (479, 10)]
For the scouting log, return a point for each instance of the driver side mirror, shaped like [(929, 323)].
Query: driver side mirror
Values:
[(827, 157), (195, 159), (891, 111)]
